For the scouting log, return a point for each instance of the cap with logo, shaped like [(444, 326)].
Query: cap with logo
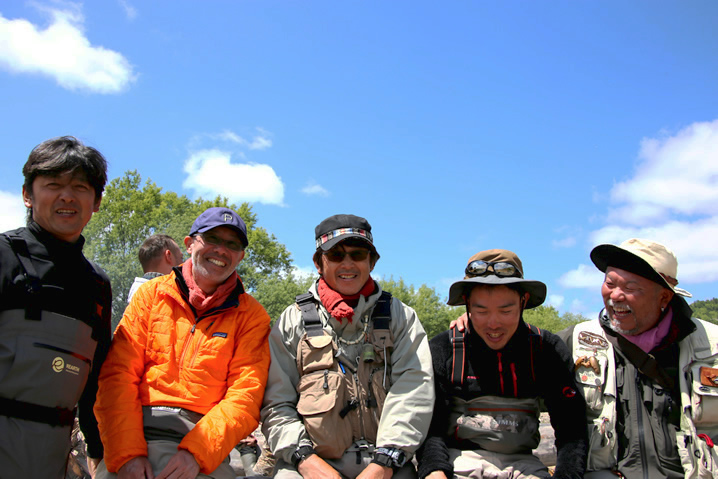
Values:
[(220, 216)]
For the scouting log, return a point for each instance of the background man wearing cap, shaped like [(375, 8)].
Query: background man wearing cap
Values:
[(184, 379), (490, 378), (158, 254), (648, 371), (350, 386), (55, 308)]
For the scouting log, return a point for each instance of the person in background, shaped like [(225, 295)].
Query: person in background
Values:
[(158, 254), (55, 308)]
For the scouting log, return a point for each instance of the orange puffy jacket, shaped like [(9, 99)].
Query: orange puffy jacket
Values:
[(161, 355)]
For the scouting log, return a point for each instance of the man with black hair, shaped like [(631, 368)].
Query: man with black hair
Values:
[(490, 377), (54, 314), (350, 389), (158, 254)]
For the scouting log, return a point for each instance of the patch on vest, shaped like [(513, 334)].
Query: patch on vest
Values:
[(709, 377), (591, 340)]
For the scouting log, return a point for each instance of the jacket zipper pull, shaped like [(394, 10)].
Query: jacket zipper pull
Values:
[(192, 330)]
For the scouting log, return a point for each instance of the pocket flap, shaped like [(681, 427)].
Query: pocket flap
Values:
[(314, 397), (319, 342)]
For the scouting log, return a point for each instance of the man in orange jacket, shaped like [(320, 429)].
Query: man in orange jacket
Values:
[(184, 379)]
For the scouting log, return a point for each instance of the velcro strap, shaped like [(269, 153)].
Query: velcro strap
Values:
[(381, 316), (459, 356), (351, 405), (54, 416), (310, 316)]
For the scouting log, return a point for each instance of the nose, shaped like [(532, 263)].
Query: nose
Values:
[(66, 194), (617, 294)]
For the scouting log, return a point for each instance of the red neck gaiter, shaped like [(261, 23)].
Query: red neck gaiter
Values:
[(339, 305), (198, 298)]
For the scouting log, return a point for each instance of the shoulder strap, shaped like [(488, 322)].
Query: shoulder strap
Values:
[(32, 280), (536, 341), (381, 316), (310, 316), (458, 358), (646, 363)]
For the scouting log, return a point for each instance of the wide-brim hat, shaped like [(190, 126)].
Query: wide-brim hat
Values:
[(536, 289), (337, 228), (646, 258), (220, 216)]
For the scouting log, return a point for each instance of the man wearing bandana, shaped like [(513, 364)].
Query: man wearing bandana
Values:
[(350, 390)]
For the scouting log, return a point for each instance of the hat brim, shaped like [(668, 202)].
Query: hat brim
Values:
[(335, 241), (536, 289), (608, 255)]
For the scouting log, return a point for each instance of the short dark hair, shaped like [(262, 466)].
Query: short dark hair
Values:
[(355, 242), (66, 154), (153, 248)]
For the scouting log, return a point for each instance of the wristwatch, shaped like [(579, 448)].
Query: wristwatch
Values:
[(389, 457), (301, 454)]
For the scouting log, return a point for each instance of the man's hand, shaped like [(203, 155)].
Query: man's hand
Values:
[(92, 464), (375, 471), (314, 467), (183, 465), (462, 323), (136, 468), (437, 475)]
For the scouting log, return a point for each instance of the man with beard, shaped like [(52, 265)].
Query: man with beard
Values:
[(184, 378), (648, 371)]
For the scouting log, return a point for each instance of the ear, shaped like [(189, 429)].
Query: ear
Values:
[(26, 197), (665, 297), (169, 257), (188, 240), (525, 300), (96, 208), (319, 267)]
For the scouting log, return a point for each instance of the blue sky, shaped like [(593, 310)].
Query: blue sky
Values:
[(453, 127)]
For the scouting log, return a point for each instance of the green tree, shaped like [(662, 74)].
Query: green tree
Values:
[(130, 212), (278, 291), (706, 310), (548, 318), (434, 314)]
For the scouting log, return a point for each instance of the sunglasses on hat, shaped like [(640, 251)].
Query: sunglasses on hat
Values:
[(337, 256), (501, 269)]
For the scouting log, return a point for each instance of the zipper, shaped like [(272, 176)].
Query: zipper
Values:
[(357, 386), (187, 342), (639, 417)]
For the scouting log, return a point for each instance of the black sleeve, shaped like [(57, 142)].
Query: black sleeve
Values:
[(88, 422), (434, 453), (566, 407)]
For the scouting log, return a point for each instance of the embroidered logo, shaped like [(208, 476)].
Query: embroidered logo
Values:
[(569, 392), (227, 217), (591, 340), (58, 364)]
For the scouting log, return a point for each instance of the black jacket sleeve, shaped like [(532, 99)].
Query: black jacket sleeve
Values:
[(434, 453), (566, 407)]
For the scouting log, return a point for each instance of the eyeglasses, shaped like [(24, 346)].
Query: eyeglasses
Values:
[(501, 269), (337, 256), (217, 241)]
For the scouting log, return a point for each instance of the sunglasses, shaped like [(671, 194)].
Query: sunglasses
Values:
[(501, 269), (337, 256), (209, 238)]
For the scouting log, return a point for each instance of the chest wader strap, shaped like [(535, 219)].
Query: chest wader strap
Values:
[(458, 357), (54, 416), (32, 280), (310, 316)]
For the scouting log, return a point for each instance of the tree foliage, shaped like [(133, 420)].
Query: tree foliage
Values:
[(434, 314), (706, 310), (130, 212), (548, 318), (278, 291)]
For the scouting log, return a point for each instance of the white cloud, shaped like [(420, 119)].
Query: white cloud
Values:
[(63, 52), (675, 175), (304, 272), (12, 211), (555, 300), (259, 142), (211, 173), (672, 198), (567, 242), (315, 189), (583, 276), (130, 11)]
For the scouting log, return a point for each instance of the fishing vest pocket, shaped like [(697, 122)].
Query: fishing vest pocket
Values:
[(591, 377), (315, 353), (497, 424), (324, 404), (44, 362), (601, 444), (704, 394)]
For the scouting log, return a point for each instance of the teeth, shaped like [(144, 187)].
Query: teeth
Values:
[(217, 262), (65, 211)]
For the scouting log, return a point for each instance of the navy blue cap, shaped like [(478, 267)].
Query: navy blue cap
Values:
[(220, 216)]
